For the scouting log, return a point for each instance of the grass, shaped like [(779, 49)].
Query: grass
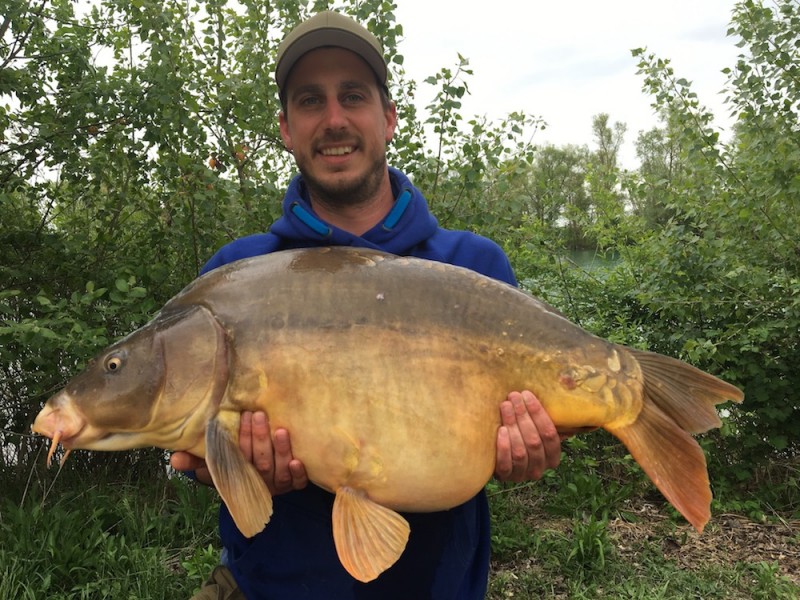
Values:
[(106, 541), (633, 548), (577, 534), (650, 577)]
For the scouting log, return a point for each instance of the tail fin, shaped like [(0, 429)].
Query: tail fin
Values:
[(685, 393), (672, 459), (678, 400)]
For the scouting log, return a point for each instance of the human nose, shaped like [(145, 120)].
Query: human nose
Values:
[(335, 117)]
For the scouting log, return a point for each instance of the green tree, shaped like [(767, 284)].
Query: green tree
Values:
[(607, 207), (609, 138), (553, 190), (660, 171), (723, 273)]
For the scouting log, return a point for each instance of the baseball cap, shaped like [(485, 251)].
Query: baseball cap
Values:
[(329, 28)]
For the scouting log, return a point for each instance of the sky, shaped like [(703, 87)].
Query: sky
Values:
[(568, 61)]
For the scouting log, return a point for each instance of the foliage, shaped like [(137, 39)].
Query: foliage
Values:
[(156, 542), (468, 162), (132, 543), (723, 274), (660, 171)]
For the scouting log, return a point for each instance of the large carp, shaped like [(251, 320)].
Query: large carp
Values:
[(388, 372)]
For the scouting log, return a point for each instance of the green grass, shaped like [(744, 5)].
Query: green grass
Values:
[(649, 577), (577, 534), (652, 582), (106, 541), (541, 553)]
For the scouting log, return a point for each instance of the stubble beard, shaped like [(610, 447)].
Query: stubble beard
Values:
[(347, 192)]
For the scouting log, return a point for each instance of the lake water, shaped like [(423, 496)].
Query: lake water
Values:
[(592, 259)]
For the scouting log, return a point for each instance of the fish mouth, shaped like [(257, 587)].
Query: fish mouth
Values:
[(85, 437), (58, 437), (61, 422), (69, 430)]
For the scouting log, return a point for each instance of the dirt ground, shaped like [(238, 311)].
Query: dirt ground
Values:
[(727, 539)]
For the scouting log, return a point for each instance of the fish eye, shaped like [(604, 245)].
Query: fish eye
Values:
[(113, 363)]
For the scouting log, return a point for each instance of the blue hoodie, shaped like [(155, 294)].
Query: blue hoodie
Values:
[(447, 556)]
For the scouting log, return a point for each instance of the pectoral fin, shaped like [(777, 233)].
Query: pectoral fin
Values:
[(369, 537), (237, 481)]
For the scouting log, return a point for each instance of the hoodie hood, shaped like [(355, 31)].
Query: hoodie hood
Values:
[(406, 226)]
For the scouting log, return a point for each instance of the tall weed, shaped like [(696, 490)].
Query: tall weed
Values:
[(596, 478), (106, 542)]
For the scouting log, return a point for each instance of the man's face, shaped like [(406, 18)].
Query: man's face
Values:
[(336, 126)]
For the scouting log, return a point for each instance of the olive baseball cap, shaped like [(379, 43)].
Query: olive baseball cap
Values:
[(329, 28)]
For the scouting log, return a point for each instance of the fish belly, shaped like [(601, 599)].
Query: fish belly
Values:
[(410, 420)]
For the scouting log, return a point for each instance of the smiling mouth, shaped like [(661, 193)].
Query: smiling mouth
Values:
[(337, 151)]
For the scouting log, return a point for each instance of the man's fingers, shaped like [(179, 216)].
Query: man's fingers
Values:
[(527, 443), (283, 456), (245, 435), (299, 475), (290, 474), (183, 461), (503, 464), (283, 446), (524, 439), (262, 445), (545, 432)]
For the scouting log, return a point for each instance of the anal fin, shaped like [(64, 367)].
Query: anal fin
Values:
[(369, 537), (238, 482)]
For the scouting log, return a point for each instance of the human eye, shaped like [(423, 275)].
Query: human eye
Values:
[(353, 98), (309, 101), (353, 94)]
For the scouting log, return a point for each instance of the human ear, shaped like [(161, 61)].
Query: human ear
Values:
[(390, 114), (286, 135)]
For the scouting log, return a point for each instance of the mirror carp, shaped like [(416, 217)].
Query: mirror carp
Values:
[(388, 372)]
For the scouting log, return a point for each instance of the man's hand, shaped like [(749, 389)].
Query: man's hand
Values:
[(527, 441), (272, 458)]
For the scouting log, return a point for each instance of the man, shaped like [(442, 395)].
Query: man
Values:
[(336, 120)]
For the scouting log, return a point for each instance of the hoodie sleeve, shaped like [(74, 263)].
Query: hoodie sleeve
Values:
[(472, 251)]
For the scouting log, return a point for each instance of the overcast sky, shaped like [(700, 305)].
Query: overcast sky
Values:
[(567, 61)]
